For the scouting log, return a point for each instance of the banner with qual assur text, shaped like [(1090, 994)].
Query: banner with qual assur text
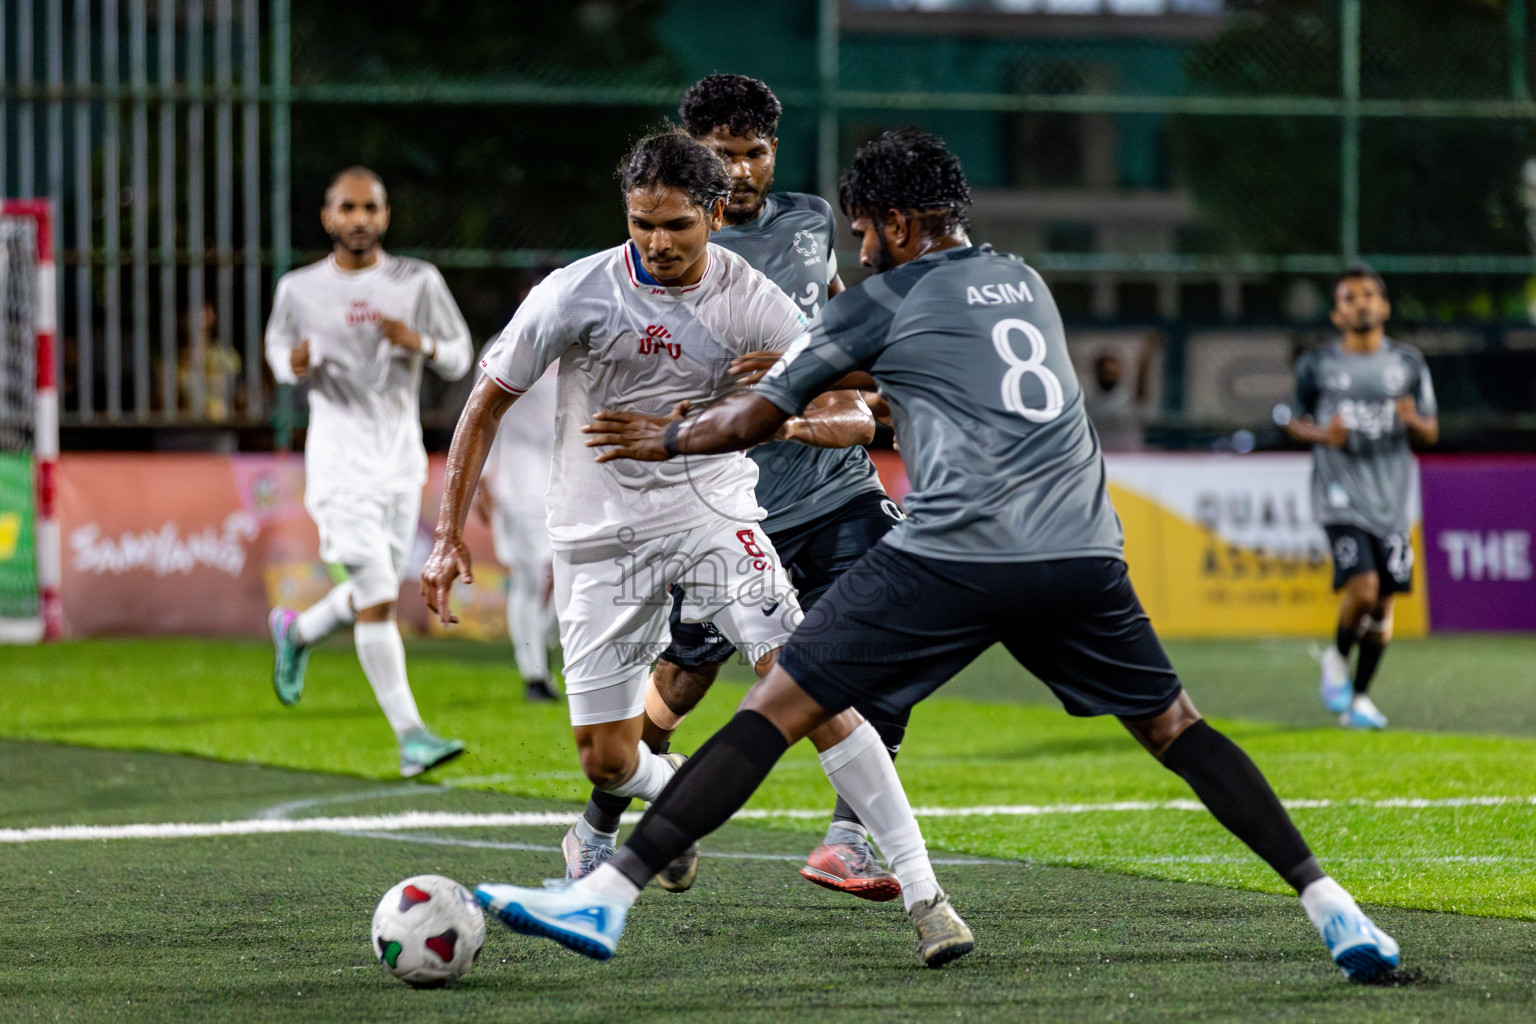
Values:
[(1222, 545), (1227, 546)]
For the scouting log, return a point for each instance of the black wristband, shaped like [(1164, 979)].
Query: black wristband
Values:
[(669, 438)]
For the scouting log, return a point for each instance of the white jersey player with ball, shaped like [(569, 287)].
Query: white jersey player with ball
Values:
[(650, 324), (359, 326)]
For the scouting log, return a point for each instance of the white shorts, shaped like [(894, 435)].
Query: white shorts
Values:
[(370, 534), (522, 541), (613, 604)]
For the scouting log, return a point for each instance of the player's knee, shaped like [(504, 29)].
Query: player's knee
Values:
[(1378, 626), (682, 688), (373, 585), (606, 767), (1365, 588)]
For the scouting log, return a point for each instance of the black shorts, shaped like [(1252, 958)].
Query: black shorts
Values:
[(815, 553), (1355, 551), (897, 626)]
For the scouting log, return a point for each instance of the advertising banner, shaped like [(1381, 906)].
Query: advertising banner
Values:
[(207, 544), (1478, 519), (1225, 545)]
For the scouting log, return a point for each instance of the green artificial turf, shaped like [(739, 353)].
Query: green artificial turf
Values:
[(1073, 911), (275, 928)]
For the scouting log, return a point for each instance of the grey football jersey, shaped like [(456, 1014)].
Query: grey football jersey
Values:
[(1366, 482), (967, 347), (791, 243)]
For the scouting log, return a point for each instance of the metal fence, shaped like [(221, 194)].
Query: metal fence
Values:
[(169, 135)]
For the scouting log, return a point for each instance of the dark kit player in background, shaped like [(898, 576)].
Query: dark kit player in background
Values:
[(1010, 538), (1359, 401)]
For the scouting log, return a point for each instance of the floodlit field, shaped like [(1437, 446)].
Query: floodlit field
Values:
[(1074, 856)]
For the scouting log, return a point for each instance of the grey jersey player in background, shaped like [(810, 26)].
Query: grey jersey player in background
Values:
[(1011, 538), (1359, 402), (823, 500)]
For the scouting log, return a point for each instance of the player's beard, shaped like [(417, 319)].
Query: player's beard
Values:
[(357, 243), (884, 259), (740, 216)]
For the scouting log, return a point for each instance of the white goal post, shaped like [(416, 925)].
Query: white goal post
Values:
[(30, 562)]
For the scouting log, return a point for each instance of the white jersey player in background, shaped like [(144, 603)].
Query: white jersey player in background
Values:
[(653, 323), (359, 325), (512, 490)]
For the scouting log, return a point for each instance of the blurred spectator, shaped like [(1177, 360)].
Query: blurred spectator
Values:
[(1118, 410)]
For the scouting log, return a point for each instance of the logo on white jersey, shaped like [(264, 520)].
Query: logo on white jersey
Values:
[(359, 312), (656, 342)]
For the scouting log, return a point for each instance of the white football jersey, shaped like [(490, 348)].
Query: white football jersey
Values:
[(364, 411), (624, 341), (517, 470)]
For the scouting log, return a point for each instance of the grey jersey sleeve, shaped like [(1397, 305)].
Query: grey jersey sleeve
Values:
[(847, 336), (1422, 389)]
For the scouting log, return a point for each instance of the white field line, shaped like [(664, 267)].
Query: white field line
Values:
[(414, 820)]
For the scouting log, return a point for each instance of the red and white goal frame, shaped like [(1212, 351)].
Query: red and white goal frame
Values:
[(45, 441)]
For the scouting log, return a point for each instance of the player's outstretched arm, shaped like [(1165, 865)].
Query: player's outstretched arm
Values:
[(836, 419), (1303, 429), (472, 440), (733, 424)]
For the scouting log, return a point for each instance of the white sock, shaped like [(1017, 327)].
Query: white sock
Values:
[(382, 654), (607, 881), (325, 616), (860, 769), (650, 778), (528, 626), (1321, 898)]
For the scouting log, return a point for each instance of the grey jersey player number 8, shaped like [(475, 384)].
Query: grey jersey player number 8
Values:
[(967, 347)]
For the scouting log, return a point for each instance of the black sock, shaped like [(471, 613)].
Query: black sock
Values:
[(1234, 790), (604, 809), (892, 730), (1345, 638), (1371, 650), (701, 797)]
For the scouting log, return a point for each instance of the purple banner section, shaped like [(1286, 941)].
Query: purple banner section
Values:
[(1479, 515)]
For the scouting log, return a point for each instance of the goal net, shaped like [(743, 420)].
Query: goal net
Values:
[(28, 429)]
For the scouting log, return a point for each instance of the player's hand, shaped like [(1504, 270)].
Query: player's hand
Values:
[(749, 369), (448, 561), (633, 435), (1408, 411), (397, 333), (298, 358), (1337, 434)]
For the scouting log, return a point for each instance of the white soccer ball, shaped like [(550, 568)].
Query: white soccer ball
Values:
[(428, 930)]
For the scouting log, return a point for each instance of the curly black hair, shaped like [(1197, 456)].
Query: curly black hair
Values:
[(745, 106), (906, 169), (672, 158)]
